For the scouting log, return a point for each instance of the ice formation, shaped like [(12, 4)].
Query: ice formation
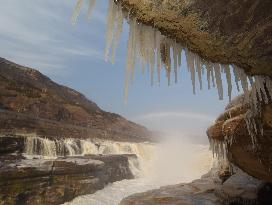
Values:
[(77, 9), (218, 148), (151, 49)]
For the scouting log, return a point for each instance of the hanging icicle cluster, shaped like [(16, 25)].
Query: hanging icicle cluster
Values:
[(114, 29), (218, 148), (148, 47), (152, 49), (260, 95)]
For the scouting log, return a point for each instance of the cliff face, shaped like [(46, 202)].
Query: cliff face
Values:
[(230, 32), (32, 103)]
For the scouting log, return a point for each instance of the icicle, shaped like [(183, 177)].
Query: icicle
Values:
[(218, 81), (90, 9), (209, 72), (128, 63), (152, 44), (118, 32), (166, 59), (158, 54), (179, 55), (199, 70), (110, 29), (76, 11), (133, 49), (168, 62), (190, 64), (243, 77), (228, 77), (236, 77), (218, 148), (175, 57)]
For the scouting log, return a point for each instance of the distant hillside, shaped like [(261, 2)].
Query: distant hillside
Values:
[(32, 103)]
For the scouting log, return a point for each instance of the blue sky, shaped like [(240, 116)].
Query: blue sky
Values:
[(38, 33)]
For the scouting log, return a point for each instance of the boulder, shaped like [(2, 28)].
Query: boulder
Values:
[(211, 189), (231, 129), (198, 192), (240, 188)]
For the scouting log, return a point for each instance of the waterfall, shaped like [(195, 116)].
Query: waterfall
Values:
[(174, 162), (42, 147)]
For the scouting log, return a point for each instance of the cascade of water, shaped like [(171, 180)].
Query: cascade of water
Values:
[(44, 147), (40, 146)]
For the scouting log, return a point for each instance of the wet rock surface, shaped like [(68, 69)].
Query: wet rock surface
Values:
[(238, 189), (241, 188), (197, 192), (230, 32), (231, 129), (55, 181)]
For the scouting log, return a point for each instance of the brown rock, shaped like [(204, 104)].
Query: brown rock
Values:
[(240, 188), (198, 192), (49, 182), (255, 161)]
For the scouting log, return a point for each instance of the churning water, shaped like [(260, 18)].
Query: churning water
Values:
[(171, 163)]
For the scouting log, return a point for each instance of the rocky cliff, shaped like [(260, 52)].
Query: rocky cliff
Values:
[(32, 103), (231, 130)]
